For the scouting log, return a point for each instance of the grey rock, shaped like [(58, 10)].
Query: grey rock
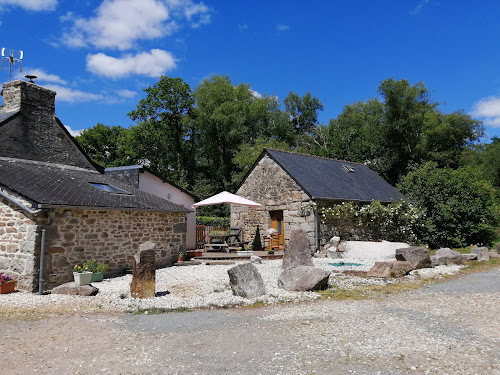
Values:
[(481, 252), (298, 252), (255, 259), (417, 256), (246, 281), (446, 256), (390, 269), (75, 290), (469, 256), (303, 278), (494, 254), (334, 254)]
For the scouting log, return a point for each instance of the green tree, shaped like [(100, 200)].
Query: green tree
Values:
[(303, 111), (486, 159), (105, 144), (402, 129), (227, 116), (459, 206), (164, 137)]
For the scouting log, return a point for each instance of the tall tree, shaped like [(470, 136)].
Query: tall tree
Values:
[(227, 116), (106, 145), (164, 136), (303, 111)]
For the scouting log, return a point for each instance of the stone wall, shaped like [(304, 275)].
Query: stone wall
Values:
[(110, 237), (18, 236), (35, 133), (272, 187)]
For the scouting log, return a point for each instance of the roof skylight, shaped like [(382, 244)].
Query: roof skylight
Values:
[(348, 169), (110, 188)]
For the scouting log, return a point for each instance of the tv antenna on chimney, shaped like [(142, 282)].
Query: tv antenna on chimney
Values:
[(14, 57)]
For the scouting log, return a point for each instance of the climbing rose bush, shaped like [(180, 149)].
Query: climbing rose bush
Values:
[(399, 221)]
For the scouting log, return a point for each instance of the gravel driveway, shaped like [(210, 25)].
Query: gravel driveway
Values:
[(450, 327)]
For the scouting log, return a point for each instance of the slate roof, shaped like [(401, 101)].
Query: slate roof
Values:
[(6, 115), (58, 185), (323, 178), (142, 168)]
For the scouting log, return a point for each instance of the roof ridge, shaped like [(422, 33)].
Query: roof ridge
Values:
[(315, 156), (49, 164)]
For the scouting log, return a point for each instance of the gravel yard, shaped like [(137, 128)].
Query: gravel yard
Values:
[(203, 286), (448, 327)]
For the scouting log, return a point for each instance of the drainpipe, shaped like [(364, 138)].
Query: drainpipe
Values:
[(19, 204), (42, 263)]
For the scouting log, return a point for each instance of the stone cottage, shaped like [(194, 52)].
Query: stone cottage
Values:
[(53, 197), (292, 187)]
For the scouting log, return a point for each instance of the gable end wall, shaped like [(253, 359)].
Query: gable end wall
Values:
[(269, 185)]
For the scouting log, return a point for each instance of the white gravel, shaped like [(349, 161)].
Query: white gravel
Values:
[(204, 286)]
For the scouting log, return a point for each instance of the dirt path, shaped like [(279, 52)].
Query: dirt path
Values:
[(444, 328)]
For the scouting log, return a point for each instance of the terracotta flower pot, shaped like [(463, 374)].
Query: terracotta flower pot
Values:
[(7, 287)]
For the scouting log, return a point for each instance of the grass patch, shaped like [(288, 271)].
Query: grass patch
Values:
[(155, 311), (256, 304), (372, 291)]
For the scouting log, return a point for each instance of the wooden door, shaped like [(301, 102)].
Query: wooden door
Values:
[(277, 223)]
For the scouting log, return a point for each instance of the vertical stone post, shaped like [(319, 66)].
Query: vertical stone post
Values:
[(143, 276)]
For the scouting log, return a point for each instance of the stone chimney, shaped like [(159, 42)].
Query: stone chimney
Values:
[(20, 94), (30, 129)]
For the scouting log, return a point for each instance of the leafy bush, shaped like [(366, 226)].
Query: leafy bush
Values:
[(460, 208), (213, 221), (393, 222)]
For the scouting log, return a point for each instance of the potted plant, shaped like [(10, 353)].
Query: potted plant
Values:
[(270, 251), (180, 258), (97, 270), (247, 252), (82, 275), (216, 236), (7, 284)]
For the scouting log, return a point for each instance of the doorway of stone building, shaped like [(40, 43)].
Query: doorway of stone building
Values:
[(277, 223)]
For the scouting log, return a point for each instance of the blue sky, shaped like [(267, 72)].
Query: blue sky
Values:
[(99, 55)]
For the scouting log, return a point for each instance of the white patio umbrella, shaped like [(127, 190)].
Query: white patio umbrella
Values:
[(226, 197)]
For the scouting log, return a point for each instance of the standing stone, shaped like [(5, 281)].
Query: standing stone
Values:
[(143, 276), (246, 281), (482, 253), (417, 256), (298, 253)]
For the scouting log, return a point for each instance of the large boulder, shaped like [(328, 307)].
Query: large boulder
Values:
[(298, 252), (246, 281), (481, 252), (469, 256), (303, 278), (446, 256), (73, 289), (417, 256), (390, 269)]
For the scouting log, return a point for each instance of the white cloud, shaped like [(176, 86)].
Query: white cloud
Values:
[(74, 133), (65, 94), (489, 110), (151, 64), (41, 76), (281, 27), (119, 24), (419, 7), (126, 93), (34, 5)]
